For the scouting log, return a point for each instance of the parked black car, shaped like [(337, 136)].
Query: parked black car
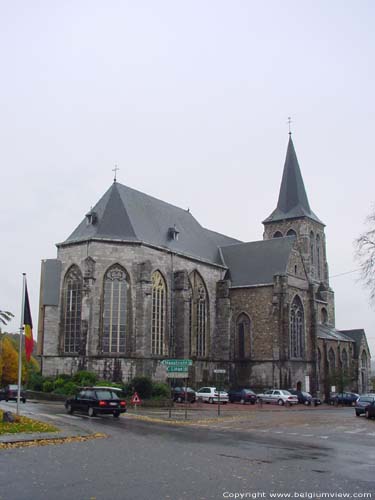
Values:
[(305, 397), (181, 394), (242, 396), (370, 410), (343, 398), (362, 403), (95, 401), (10, 393)]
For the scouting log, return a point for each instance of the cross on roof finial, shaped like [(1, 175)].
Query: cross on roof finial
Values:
[(115, 171), (289, 124)]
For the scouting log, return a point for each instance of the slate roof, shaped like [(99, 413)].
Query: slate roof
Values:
[(125, 214), (293, 201), (357, 336), (257, 262), (330, 333)]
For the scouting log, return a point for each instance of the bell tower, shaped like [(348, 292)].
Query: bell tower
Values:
[(294, 217)]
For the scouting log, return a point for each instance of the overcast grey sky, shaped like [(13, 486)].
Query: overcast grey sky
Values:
[(190, 100)]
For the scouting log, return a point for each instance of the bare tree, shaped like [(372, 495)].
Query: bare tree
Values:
[(366, 255)]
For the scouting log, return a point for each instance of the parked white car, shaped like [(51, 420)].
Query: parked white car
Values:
[(211, 395), (278, 396)]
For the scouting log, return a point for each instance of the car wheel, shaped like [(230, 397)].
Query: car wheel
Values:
[(91, 412), (116, 414), (23, 400), (210, 400), (253, 402), (357, 414), (69, 409), (280, 402), (179, 399), (306, 403), (242, 401)]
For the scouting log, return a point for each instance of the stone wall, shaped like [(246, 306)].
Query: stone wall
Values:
[(139, 261)]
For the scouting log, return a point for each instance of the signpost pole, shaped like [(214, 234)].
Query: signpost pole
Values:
[(171, 400), (218, 372), (218, 406), (177, 369), (186, 400)]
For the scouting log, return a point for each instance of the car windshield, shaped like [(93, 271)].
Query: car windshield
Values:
[(13, 387), (106, 395), (286, 393), (248, 391)]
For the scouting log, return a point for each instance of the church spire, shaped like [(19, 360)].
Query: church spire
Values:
[(293, 202)]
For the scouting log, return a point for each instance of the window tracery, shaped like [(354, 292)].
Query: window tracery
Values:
[(158, 314), (72, 308), (115, 304)]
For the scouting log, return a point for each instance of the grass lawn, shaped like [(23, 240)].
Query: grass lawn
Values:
[(24, 424)]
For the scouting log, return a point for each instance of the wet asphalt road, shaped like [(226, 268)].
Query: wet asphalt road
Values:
[(254, 452)]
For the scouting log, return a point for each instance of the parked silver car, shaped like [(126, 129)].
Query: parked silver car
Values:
[(278, 396), (211, 395)]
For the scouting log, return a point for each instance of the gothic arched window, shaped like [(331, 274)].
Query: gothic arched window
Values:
[(364, 360), (296, 328), (312, 242), (318, 255), (71, 310), (324, 316), (243, 337), (278, 234), (331, 361), (198, 317), (115, 307), (159, 314), (291, 232), (344, 360), (319, 359)]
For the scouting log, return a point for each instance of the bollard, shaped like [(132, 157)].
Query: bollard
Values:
[(8, 417)]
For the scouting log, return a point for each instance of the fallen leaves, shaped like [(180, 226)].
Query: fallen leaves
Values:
[(52, 441), (24, 424)]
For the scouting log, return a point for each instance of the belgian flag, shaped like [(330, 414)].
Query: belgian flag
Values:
[(28, 327)]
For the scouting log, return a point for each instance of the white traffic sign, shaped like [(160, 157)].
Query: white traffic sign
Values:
[(177, 375)]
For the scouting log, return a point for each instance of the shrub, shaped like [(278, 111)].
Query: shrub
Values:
[(84, 377), (143, 386), (127, 389), (68, 389), (60, 382), (160, 390), (47, 386), (106, 383), (35, 382)]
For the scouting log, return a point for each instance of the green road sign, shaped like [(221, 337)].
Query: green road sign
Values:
[(177, 368), (177, 363)]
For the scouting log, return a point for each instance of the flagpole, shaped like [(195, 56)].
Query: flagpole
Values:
[(20, 344)]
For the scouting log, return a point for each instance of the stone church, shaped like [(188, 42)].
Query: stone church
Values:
[(140, 280)]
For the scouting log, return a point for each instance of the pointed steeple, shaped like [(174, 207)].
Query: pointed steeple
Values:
[(293, 202)]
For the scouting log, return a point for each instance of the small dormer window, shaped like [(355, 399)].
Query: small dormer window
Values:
[(173, 233), (92, 218)]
